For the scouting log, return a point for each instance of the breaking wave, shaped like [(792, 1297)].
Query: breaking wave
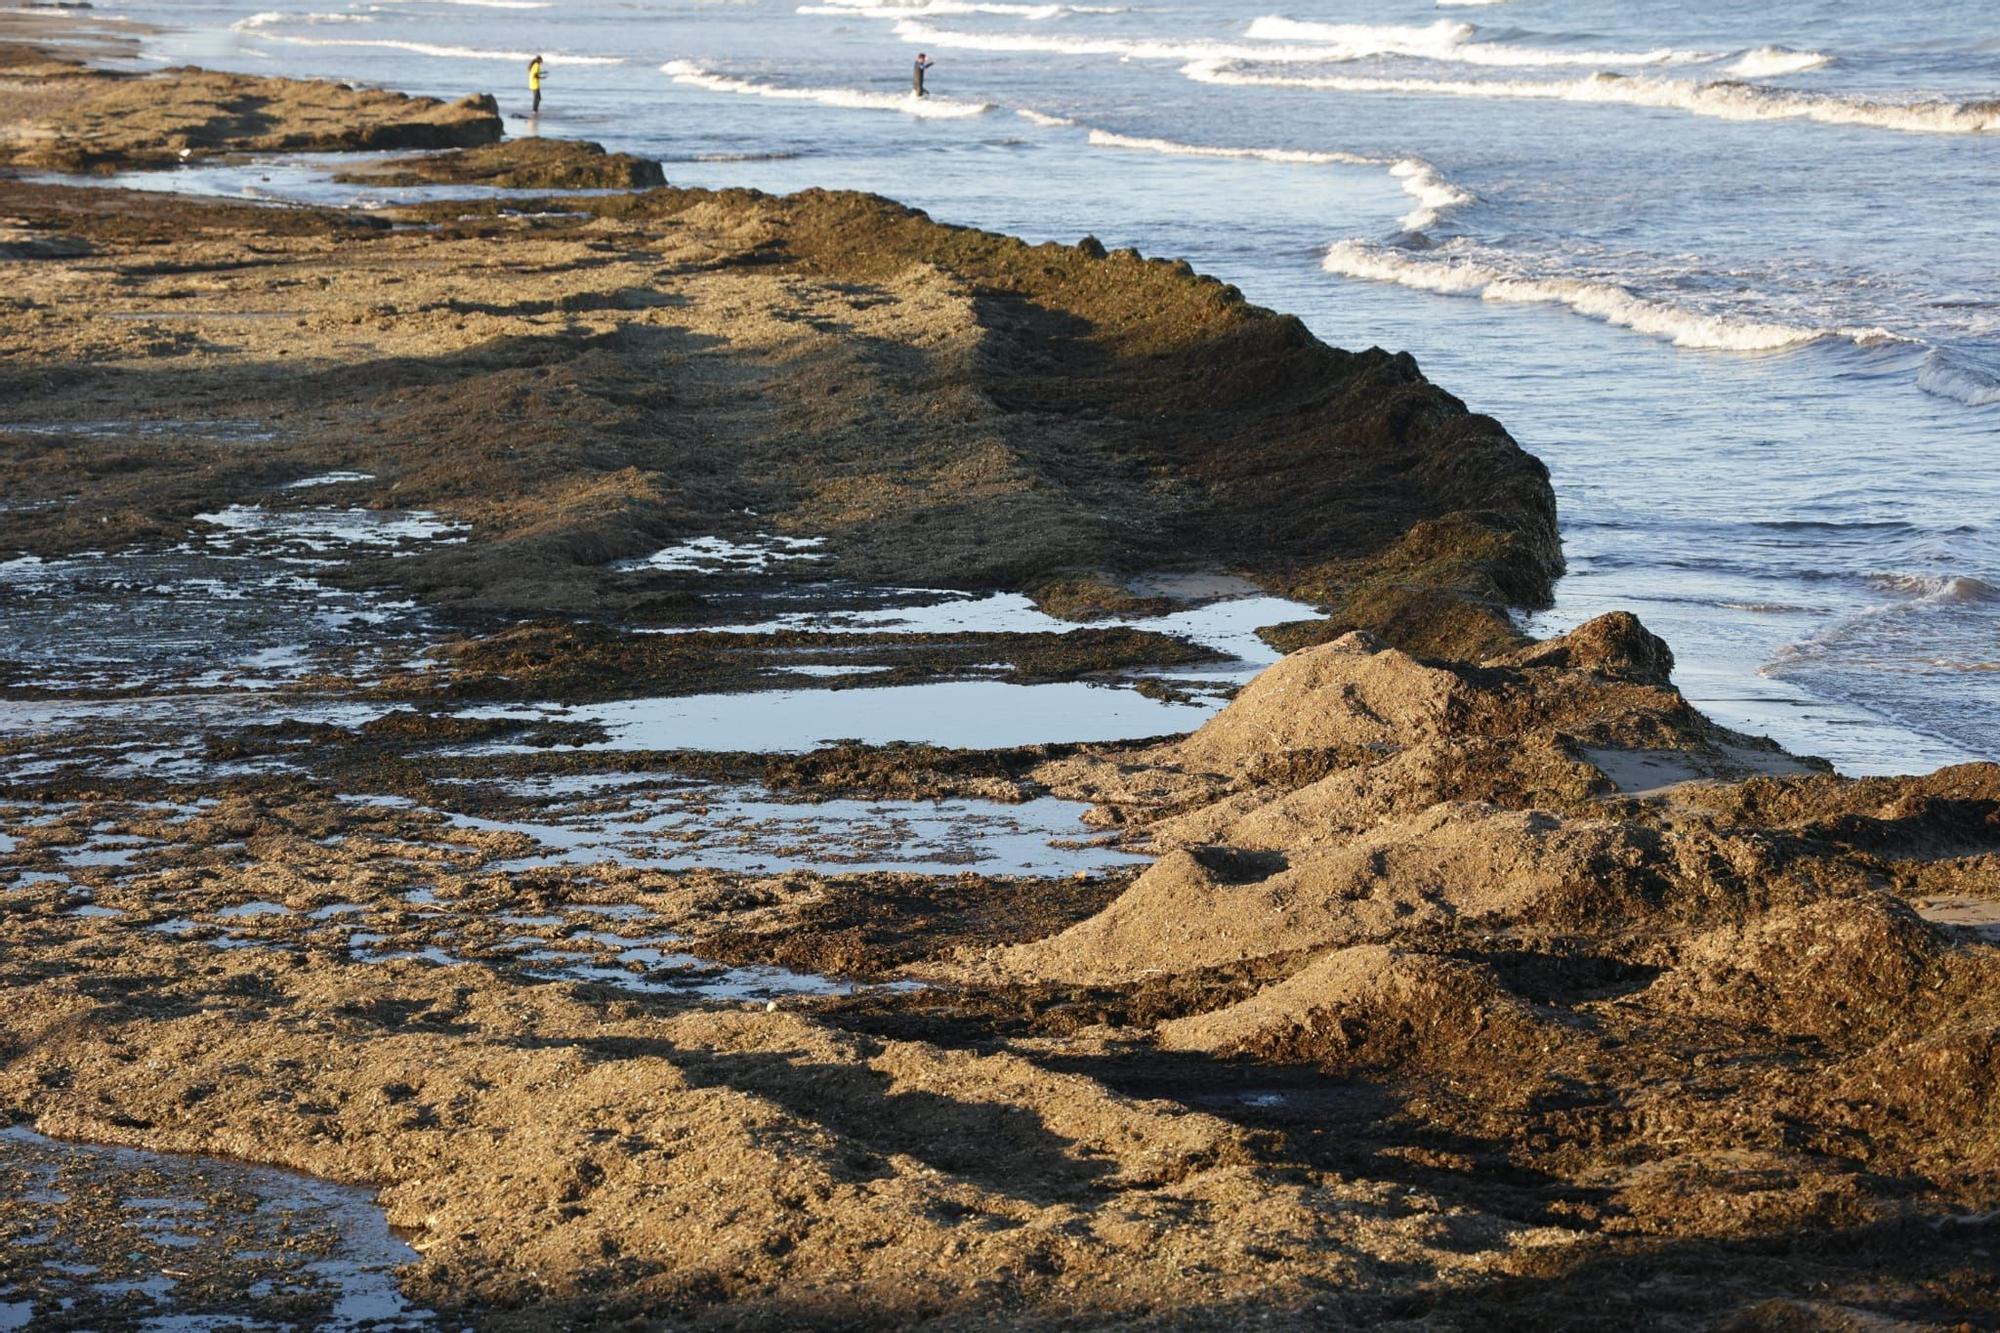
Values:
[(1947, 378), (1770, 62), (1129, 48), (1299, 156), (935, 108), (1434, 195), (442, 52), (271, 16), (1938, 589), (912, 8), (1043, 119), (1459, 275), (1444, 40), (1726, 100)]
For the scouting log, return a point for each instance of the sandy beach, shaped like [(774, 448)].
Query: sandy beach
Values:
[(611, 755)]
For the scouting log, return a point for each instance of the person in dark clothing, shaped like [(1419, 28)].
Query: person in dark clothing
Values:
[(535, 83), (924, 62)]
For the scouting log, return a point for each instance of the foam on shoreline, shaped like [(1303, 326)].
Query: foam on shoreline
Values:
[(854, 99), (1275, 39), (1434, 195), (1460, 275), (1722, 100), (1448, 40), (553, 59)]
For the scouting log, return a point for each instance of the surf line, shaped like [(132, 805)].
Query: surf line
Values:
[(431, 49), (853, 99), (1722, 100), (1434, 195)]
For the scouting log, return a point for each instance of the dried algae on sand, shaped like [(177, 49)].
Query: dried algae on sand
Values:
[(1441, 979)]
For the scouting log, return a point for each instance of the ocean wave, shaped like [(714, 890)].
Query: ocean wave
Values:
[(1947, 378), (1445, 40), (442, 52), (1886, 656), (1298, 156), (772, 155), (1770, 62), (1433, 193), (477, 4), (1043, 119), (271, 16), (1725, 100), (1936, 589), (916, 8), (1126, 48), (936, 108), (1458, 275)]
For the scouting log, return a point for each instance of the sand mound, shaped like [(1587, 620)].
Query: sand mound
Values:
[(1357, 701), (1371, 1007), (1452, 866), (1342, 699), (1847, 969), (1531, 772)]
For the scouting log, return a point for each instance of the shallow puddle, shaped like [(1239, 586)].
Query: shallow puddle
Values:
[(321, 530), (1229, 626), (973, 714), (327, 479), (720, 555), (103, 1237), (668, 825), (220, 431), (241, 607)]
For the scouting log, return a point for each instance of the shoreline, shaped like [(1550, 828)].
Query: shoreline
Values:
[(1453, 980)]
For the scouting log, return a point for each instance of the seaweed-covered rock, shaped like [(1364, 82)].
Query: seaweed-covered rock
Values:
[(104, 121), (518, 164)]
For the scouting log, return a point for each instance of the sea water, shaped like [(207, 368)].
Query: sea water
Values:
[(1727, 269)]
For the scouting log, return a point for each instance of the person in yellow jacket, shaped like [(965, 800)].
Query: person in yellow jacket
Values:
[(535, 82)]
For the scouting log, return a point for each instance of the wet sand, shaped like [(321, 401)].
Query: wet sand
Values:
[(472, 679)]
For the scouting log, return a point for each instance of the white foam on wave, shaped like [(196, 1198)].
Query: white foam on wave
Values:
[(913, 8), (441, 52), (1456, 274), (1770, 62), (1725, 100), (1298, 156), (1125, 48), (938, 108), (1937, 589), (1434, 195), (1043, 119), (271, 16), (1921, 654), (1948, 378), (1445, 40)]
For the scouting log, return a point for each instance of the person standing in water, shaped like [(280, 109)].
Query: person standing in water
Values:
[(535, 83), (924, 62)]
